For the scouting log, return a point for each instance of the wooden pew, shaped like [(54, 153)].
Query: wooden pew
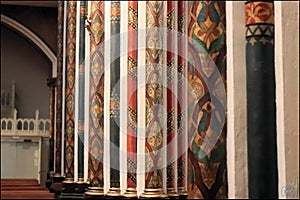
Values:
[(23, 189), (26, 194)]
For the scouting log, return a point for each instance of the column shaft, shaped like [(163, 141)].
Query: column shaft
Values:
[(70, 89), (96, 105), (207, 100), (132, 98), (114, 99), (154, 100), (59, 80), (81, 90), (171, 101), (261, 107), (181, 106)]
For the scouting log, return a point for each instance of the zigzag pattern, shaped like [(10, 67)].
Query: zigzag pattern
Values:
[(260, 30)]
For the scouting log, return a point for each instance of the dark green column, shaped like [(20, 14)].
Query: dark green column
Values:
[(261, 108), (81, 90), (114, 109)]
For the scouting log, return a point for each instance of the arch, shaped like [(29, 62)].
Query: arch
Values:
[(34, 38)]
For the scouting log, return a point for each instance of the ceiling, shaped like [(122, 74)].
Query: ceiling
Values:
[(31, 3)]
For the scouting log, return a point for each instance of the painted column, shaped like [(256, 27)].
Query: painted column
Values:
[(181, 106), (114, 190), (154, 100), (51, 83), (261, 107), (132, 99), (81, 91), (96, 107), (171, 102), (207, 100), (70, 90), (59, 79)]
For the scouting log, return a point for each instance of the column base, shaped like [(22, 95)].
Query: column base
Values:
[(157, 193), (183, 194), (130, 193), (94, 193), (172, 194), (56, 186), (49, 179), (113, 193), (80, 188), (68, 189)]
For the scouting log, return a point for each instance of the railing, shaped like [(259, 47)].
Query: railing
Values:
[(25, 126)]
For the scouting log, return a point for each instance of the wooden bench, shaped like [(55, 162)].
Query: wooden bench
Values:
[(23, 189), (26, 194)]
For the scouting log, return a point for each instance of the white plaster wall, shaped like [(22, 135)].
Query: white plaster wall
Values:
[(287, 95), (236, 101)]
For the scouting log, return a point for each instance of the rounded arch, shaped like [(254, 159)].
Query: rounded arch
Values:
[(34, 38)]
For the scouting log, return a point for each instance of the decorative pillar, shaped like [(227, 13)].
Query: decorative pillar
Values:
[(182, 100), (59, 79), (96, 96), (68, 183), (81, 185), (171, 102), (114, 190), (261, 107), (58, 178), (154, 101), (132, 99), (51, 83), (207, 100)]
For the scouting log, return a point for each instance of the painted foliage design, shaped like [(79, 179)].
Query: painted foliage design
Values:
[(207, 49), (154, 94)]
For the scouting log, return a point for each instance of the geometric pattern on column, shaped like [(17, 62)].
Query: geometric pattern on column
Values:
[(207, 160), (70, 89), (171, 101), (181, 91), (96, 95), (132, 98), (59, 88)]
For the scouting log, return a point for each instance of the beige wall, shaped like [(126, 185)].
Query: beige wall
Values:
[(236, 101), (287, 96)]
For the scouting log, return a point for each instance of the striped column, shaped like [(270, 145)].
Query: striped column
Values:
[(132, 99), (154, 101), (70, 90), (96, 96), (181, 106), (114, 190), (171, 102), (81, 91), (261, 107), (207, 100), (59, 80)]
